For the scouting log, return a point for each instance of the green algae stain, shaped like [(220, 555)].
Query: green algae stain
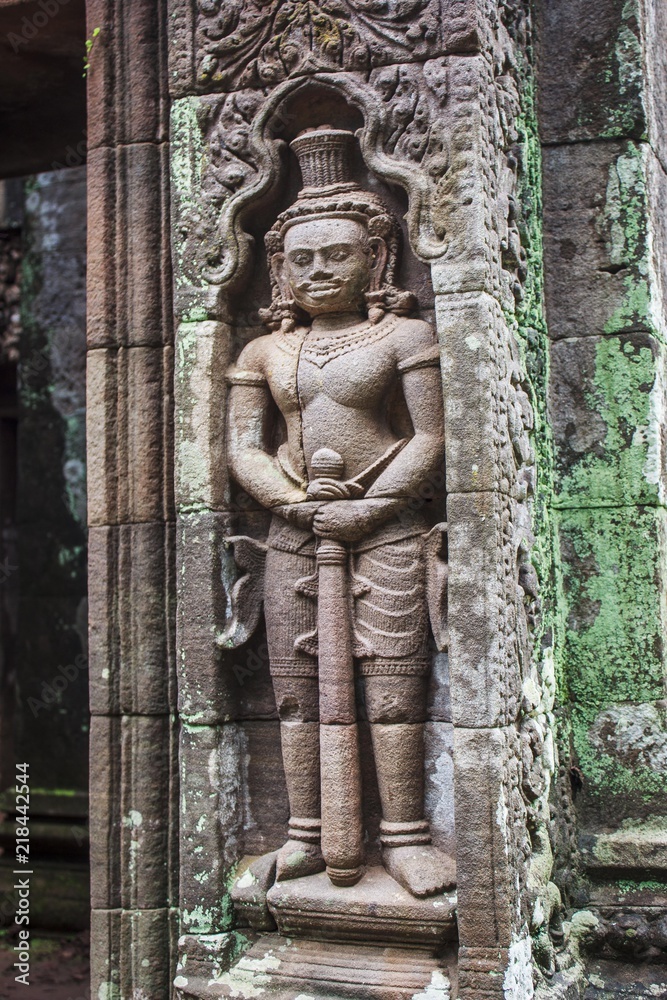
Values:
[(621, 394), (613, 643), (622, 225)]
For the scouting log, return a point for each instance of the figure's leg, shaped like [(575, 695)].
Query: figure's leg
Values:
[(391, 619), (396, 709), (290, 614)]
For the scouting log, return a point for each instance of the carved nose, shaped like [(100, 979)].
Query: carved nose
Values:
[(320, 269)]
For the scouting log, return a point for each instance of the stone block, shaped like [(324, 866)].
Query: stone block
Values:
[(132, 612), (485, 860), (298, 968), (439, 695), (204, 353), (208, 686), (129, 416), (127, 77), (657, 199), (266, 809), (105, 812), (484, 678), (634, 847), (132, 952), (596, 239), (613, 569), (655, 31), (474, 369), (132, 811), (129, 261), (606, 406), (590, 78), (198, 66), (439, 784), (211, 828), (375, 909)]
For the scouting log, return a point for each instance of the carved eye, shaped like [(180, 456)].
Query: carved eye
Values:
[(301, 259), (339, 255)]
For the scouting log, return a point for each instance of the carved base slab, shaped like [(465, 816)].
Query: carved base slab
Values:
[(319, 970), (376, 909)]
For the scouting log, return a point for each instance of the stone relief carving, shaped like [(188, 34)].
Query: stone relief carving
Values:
[(445, 130), (260, 44), (243, 161), (351, 570)]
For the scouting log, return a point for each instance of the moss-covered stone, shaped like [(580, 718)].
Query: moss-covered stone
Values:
[(613, 645)]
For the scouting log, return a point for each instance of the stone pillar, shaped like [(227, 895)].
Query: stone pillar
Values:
[(449, 117), (134, 819)]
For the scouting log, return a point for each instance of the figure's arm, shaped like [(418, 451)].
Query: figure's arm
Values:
[(417, 469), (249, 413), (419, 463)]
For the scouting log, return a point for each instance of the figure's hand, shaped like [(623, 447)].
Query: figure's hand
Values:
[(299, 514), (351, 520), (326, 488)]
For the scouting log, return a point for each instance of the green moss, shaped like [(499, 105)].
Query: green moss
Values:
[(531, 329), (627, 886), (616, 472), (613, 641)]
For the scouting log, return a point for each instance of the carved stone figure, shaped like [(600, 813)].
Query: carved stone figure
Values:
[(355, 383)]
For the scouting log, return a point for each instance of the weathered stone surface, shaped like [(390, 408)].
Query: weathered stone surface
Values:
[(129, 263), (468, 336), (596, 239), (483, 692), (590, 78), (132, 811), (132, 657), (287, 970), (129, 408), (655, 29), (208, 682), (211, 829), (607, 404), (355, 43), (130, 951), (639, 846), (376, 909), (130, 437), (128, 44), (204, 354), (481, 759), (612, 562), (439, 784)]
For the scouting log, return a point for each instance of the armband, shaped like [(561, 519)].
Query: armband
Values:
[(242, 376), (428, 358)]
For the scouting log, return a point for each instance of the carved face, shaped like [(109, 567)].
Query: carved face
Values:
[(328, 264)]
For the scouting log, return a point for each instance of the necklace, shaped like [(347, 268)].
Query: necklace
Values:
[(321, 350)]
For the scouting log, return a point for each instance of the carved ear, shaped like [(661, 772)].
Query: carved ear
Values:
[(278, 268), (378, 262)]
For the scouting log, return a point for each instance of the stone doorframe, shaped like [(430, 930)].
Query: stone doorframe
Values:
[(464, 220)]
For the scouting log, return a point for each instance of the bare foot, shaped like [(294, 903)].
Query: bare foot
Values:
[(423, 869), (297, 859)]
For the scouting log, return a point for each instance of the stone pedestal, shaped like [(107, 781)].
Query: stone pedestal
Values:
[(376, 909), (303, 969), (370, 940)]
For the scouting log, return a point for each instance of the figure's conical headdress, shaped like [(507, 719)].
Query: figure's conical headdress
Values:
[(325, 158)]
